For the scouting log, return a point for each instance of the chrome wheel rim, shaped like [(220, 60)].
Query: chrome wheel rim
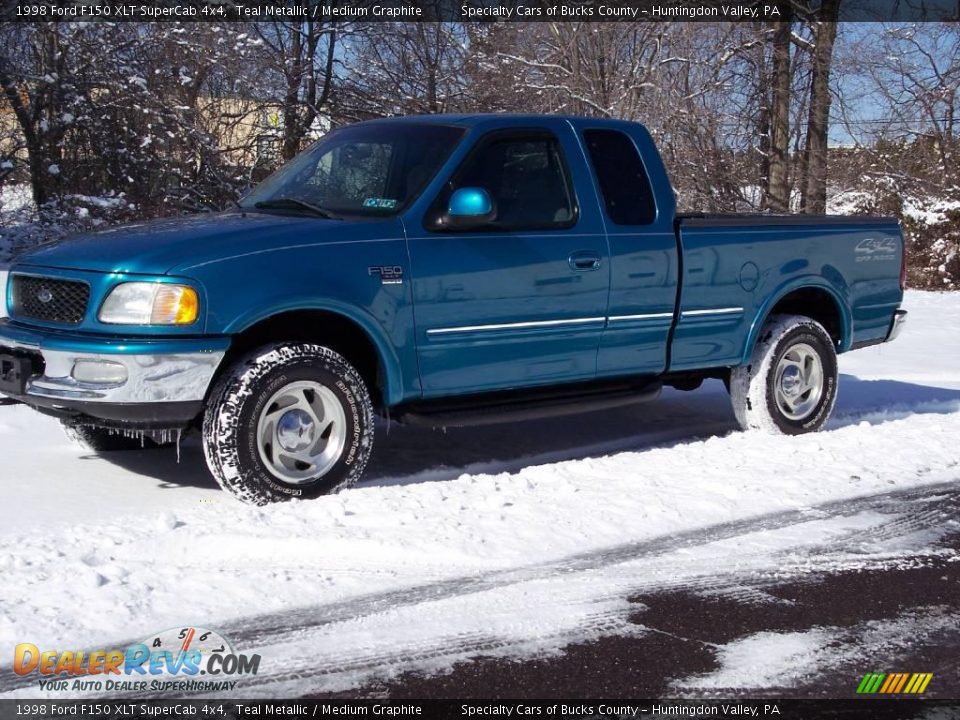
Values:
[(799, 382), (301, 432)]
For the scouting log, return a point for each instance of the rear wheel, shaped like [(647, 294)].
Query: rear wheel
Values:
[(790, 384), (288, 421)]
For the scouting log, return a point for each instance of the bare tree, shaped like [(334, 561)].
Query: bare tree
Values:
[(102, 110), (777, 189), (814, 174), (299, 57), (904, 89), (405, 68), (39, 84)]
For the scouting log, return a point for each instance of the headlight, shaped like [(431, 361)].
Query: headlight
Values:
[(144, 303)]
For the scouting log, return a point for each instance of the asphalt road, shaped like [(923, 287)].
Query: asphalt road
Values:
[(879, 615), (680, 632)]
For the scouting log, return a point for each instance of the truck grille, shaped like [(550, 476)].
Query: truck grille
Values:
[(49, 299)]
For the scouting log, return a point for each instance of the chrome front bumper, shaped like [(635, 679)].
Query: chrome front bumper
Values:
[(149, 378), (89, 370)]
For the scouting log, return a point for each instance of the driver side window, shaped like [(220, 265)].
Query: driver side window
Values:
[(527, 179)]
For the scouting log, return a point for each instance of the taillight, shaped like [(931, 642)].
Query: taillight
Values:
[(903, 265)]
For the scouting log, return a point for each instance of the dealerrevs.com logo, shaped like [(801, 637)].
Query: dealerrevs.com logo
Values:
[(188, 659)]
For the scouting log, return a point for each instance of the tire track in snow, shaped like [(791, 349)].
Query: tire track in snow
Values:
[(274, 627), (925, 507), (462, 646), (913, 510)]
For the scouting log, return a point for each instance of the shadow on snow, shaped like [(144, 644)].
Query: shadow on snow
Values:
[(405, 455)]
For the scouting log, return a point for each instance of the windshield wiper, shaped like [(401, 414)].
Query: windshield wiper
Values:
[(288, 203)]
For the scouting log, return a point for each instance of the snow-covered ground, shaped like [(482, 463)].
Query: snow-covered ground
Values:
[(511, 540)]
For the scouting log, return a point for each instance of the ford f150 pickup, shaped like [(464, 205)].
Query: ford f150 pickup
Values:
[(445, 270)]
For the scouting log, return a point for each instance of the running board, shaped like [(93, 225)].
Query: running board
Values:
[(534, 404), (8, 401)]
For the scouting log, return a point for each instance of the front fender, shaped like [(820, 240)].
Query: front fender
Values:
[(394, 376), (333, 277)]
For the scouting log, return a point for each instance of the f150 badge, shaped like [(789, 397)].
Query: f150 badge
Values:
[(874, 249), (389, 274)]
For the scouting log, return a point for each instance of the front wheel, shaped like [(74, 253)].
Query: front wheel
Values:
[(288, 421), (790, 384)]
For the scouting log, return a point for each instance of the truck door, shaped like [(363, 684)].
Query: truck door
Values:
[(643, 251), (521, 301)]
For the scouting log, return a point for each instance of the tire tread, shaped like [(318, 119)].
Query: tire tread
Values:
[(749, 383), (238, 386)]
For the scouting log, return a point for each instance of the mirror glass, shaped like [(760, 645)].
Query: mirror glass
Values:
[(470, 202)]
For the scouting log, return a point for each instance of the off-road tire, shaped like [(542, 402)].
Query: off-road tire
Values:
[(230, 441), (753, 386), (98, 440)]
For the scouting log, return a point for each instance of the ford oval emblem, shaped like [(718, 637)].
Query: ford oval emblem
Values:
[(44, 296)]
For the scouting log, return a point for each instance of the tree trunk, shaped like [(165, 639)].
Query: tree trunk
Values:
[(38, 123), (291, 99), (814, 191), (304, 93), (777, 196), (763, 125)]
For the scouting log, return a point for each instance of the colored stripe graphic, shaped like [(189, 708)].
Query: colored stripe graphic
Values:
[(871, 683), (891, 680), (911, 684), (918, 683), (903, 681), (894, 683)]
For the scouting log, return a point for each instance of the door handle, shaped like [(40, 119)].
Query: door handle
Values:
[(584, 261)]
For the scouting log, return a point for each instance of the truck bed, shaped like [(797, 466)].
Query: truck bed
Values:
[(735, 268)]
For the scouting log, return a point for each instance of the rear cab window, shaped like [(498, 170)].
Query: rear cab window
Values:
[(624, 185)]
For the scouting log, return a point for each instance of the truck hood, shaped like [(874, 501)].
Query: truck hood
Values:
[(164, 246)]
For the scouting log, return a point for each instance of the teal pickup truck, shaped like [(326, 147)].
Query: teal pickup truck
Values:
[(447, 270)]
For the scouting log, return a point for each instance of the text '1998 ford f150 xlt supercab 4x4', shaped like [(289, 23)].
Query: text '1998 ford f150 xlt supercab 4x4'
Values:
[(447, 270)]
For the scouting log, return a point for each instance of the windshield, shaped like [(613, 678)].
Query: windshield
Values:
[(372, 170)]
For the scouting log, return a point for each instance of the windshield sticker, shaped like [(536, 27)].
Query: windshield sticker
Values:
[(381, 203)]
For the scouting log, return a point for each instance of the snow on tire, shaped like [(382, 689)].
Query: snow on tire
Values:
[(288, 421), (789, 386)]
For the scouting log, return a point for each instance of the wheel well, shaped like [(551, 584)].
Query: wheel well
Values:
[(324, 328), (813, 303)]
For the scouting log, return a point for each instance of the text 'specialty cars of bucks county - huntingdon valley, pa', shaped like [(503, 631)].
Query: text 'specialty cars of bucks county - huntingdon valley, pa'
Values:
[(447, 270)]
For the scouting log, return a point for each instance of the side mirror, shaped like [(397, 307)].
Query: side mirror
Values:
[(469, 207)]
